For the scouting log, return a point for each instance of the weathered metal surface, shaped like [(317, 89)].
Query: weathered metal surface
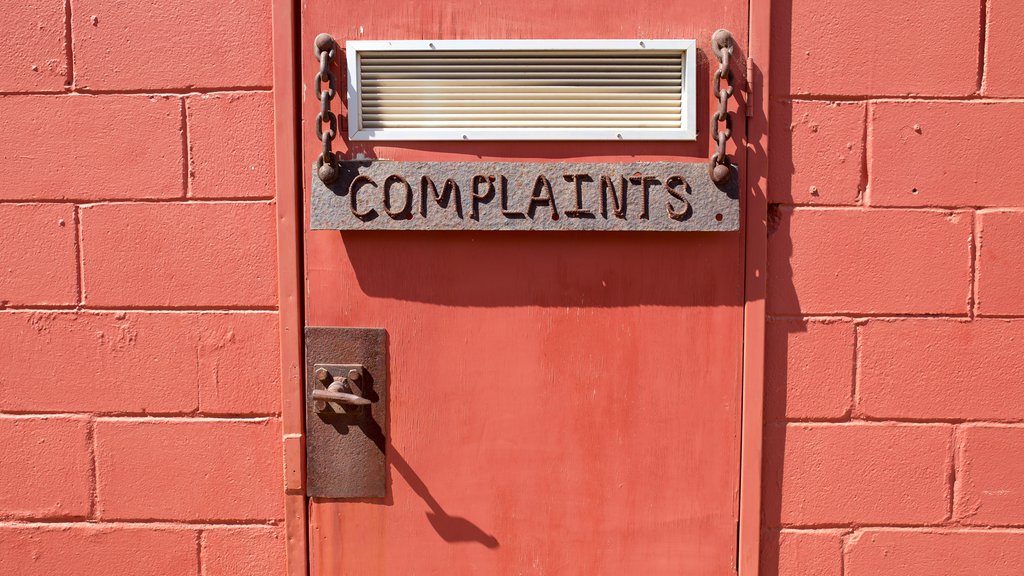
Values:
[(345, 442), (340, 388), (325, 48), (653, 196), (719, 166)]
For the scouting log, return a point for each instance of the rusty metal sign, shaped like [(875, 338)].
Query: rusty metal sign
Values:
[(346, 412), (652, 196)]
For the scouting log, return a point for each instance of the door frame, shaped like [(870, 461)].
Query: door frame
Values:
[(291, 285)]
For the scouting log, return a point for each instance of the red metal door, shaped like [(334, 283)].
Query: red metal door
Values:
[(560, 402)]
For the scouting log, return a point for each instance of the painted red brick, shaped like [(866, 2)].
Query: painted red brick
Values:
[(180, 255), (859, 474), (850, 261), (990, 479), (809, 369), (253, 551), (231, 145), (942, 369), (1004, 53), (817, 153), (188, 470), (942, 154), (877, 48), (238, 363), (44, 467), (33, 58), (1000, 263), (97, 550), (935, 553), (91, 147), (139, 362), (38, 263), (803, 553), (151, 45)]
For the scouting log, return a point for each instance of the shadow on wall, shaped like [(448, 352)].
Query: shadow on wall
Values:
[(451, 529), (780, 277), (596, 269)]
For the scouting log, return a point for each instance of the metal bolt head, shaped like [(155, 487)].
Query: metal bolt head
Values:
[(328, 173), (354, 375), (720, 39), (720, 174), (323, 375), (324, 41)]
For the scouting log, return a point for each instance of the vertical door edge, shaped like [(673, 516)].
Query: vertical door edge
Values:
[(287, 154), (755, 274)]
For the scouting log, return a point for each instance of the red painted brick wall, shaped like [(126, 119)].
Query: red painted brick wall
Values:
[(895, 401), (139, 390)]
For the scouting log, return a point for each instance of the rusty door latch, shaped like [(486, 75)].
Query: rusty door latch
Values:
[(340, 390), (346, 412)]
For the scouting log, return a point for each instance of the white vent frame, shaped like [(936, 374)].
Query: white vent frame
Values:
[(687, 129)]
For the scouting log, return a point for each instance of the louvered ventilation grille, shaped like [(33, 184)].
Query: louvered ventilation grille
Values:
[(405, 91)]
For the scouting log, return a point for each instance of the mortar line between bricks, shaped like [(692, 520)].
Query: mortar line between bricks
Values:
[(848, 317), (923, 207), (929, 421), (79, 253), (141, 92), (195, 91), (169, 200), (148, 416), (94, 476), (854, 526), (844, 543), (953, 473), (972, 295), (889, 99), (168, 310), (982, 45), (865, 160), (186, 418), (176, 200), (866, 209), (186, 152), (854, 409), (163, 524), (199, 552), (182, 309), (888, 316), (69, 52), (919, 527)]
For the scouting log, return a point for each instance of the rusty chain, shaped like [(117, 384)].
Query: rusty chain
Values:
[(325, 49), (719, 166)]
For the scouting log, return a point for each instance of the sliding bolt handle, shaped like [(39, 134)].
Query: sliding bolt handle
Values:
[(337, 389), (340, 397)]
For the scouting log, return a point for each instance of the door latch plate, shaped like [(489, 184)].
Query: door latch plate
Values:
[(346, 444)]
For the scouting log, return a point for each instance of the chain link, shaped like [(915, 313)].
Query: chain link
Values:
[(719, 166), (325, 49)]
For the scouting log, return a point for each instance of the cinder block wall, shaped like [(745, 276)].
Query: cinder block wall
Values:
[(895, 406), (139, 388)]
